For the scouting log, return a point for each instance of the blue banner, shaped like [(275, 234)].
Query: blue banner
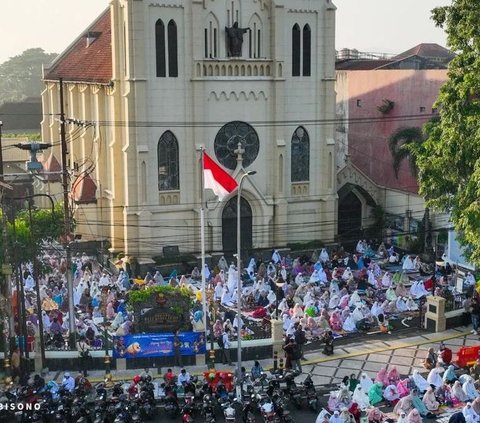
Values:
[(157, 345)]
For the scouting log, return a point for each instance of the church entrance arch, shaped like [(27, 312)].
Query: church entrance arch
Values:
[(229, 226), (349, 218)]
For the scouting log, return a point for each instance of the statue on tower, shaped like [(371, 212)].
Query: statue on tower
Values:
[(235, 40)]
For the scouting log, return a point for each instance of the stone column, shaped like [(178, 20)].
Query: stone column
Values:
[(277, 337), (435, 314), (38, 354)]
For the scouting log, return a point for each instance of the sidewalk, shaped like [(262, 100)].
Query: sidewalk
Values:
[(406, 354)]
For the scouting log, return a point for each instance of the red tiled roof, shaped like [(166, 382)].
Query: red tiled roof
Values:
[(52, 165), (84, 190), (426, 50), (82, 63), (361, 64)]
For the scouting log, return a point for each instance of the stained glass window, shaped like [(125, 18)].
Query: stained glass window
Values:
[(300, 157), (168, 175)]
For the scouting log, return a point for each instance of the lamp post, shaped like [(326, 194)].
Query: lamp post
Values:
[(106, 358), (239, 281)]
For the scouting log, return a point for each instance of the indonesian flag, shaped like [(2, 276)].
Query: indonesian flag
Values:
[(217, 179)]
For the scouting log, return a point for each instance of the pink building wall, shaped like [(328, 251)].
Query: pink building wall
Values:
[(364, 91)]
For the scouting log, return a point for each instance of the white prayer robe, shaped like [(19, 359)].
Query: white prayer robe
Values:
[(361, 398), (408, 264), (418, 289), (324, 256), (365, 382), (434, 377)]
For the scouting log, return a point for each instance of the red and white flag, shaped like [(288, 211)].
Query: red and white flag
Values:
[(217, 179)]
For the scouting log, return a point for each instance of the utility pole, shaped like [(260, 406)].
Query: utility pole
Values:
[(66, 212), (8, 322)]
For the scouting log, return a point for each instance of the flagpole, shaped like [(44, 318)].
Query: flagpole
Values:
[(202, 241)]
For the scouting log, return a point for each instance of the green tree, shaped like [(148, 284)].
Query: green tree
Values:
[(20, 76), (448, 161), (401, 144), (25, 239)]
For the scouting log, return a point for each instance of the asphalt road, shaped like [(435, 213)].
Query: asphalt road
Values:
[(299, 416)]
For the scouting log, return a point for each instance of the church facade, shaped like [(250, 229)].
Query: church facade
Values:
[(151, 82)]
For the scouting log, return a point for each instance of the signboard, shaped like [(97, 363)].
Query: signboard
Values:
[(163, 313), (157, 345)]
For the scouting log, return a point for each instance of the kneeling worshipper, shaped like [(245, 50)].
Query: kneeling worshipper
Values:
[(449, 376), (381, 377), (324, 256), (335, 418), (344, 396), (469, 413), (387, 280), (402, 418), (458, 392), (393, 376), (365, 382), (375, 416), (349, 324), (469, 388), (391, 394), (401, 304), (355, 411), (476, 405), (347, 274), (375, 393), (418, 289), (430, 400), (346, 416), (418, 404), (353, 382), (419, 381), (408, 264), (414, 417), (361, 398), (403, 387), (390, 294), (434, 377), (405, 405)]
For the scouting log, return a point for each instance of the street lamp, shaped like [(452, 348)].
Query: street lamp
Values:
[(239, 281), (106, 358)]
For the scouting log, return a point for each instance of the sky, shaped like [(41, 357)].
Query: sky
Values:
[(383, 26)]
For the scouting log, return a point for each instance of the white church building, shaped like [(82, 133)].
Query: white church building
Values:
[(150, 81)]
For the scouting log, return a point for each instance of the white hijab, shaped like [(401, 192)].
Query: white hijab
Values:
[(469, 388), (434, 377), (420, 381), (361, 397), (365, 382)]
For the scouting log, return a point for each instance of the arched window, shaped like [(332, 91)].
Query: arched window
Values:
[(172, 49), (211, 37), (307, 41), (167, 153), (300, 160), (255, 37), (296, 50), (160, 48)]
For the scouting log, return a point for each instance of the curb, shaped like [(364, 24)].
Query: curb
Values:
[(398, 345)]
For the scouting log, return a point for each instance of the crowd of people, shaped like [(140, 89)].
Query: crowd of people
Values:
[(319, 297), (410, 398)]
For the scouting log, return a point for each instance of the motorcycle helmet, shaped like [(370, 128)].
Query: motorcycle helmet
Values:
[(136, 379)]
